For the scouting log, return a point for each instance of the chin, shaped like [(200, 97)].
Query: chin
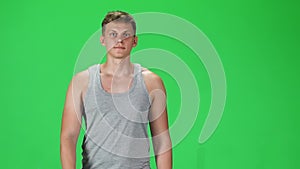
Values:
[(119, 55)]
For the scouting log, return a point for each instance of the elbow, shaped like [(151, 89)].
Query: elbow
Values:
[(162, 143)]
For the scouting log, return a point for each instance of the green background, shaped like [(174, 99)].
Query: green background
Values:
[(257, 41)]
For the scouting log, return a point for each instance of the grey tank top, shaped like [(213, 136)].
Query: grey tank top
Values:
[(116, 134)]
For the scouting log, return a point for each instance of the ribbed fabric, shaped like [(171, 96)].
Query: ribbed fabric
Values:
[(116, 125)]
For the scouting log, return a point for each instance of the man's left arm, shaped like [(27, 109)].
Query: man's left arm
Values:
[(159, 122)]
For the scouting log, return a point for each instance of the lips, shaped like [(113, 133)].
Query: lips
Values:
[(119, 47)]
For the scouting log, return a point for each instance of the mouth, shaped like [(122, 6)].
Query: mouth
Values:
[(119, 47)]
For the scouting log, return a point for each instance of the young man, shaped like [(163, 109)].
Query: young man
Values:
[(117, 100)]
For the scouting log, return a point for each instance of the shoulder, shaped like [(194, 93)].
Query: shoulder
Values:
[(152, 80), (81, 76), (80, 80)]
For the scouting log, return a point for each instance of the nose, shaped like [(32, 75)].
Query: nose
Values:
[(119, 40)]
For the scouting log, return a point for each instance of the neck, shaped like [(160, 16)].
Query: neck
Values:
[(117, 66)]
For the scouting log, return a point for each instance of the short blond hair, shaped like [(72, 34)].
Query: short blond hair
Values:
[(118, 16)]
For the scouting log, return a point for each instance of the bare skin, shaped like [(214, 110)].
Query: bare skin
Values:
[(116, 75)]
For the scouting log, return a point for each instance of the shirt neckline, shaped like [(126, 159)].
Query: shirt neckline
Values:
[(99, 81)]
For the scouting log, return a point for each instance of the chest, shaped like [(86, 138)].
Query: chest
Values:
[(115, 84)]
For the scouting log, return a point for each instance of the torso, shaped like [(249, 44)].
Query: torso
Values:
[(120, 84), (116, 133)]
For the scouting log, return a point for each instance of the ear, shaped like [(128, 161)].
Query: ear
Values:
[(102, 40), (135, 40)]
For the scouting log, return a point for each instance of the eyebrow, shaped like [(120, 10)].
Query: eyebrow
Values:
[(113, 30)]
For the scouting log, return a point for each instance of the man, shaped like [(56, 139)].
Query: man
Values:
[(117, 100)]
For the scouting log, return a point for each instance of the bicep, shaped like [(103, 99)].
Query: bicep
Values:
[(159, 119), (72, 112), (158, 112)]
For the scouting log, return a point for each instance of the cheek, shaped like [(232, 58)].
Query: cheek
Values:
[(109, 44), (129, 42)]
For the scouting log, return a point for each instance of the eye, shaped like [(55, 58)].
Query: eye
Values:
[(126, 35), (113, 34)]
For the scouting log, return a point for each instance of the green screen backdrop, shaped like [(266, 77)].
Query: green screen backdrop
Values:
[(256, 41)]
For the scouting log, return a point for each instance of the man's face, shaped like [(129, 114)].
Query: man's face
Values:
[(119, 39)]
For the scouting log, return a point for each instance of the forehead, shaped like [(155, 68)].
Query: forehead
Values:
[(118, 26)]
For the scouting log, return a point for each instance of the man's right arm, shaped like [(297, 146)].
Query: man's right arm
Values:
[(71, 121)]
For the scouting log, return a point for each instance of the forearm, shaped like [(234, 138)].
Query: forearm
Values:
[(68, 153), (163, 151), (164, 161)]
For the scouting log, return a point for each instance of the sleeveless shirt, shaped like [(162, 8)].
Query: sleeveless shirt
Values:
[(116, 134)]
